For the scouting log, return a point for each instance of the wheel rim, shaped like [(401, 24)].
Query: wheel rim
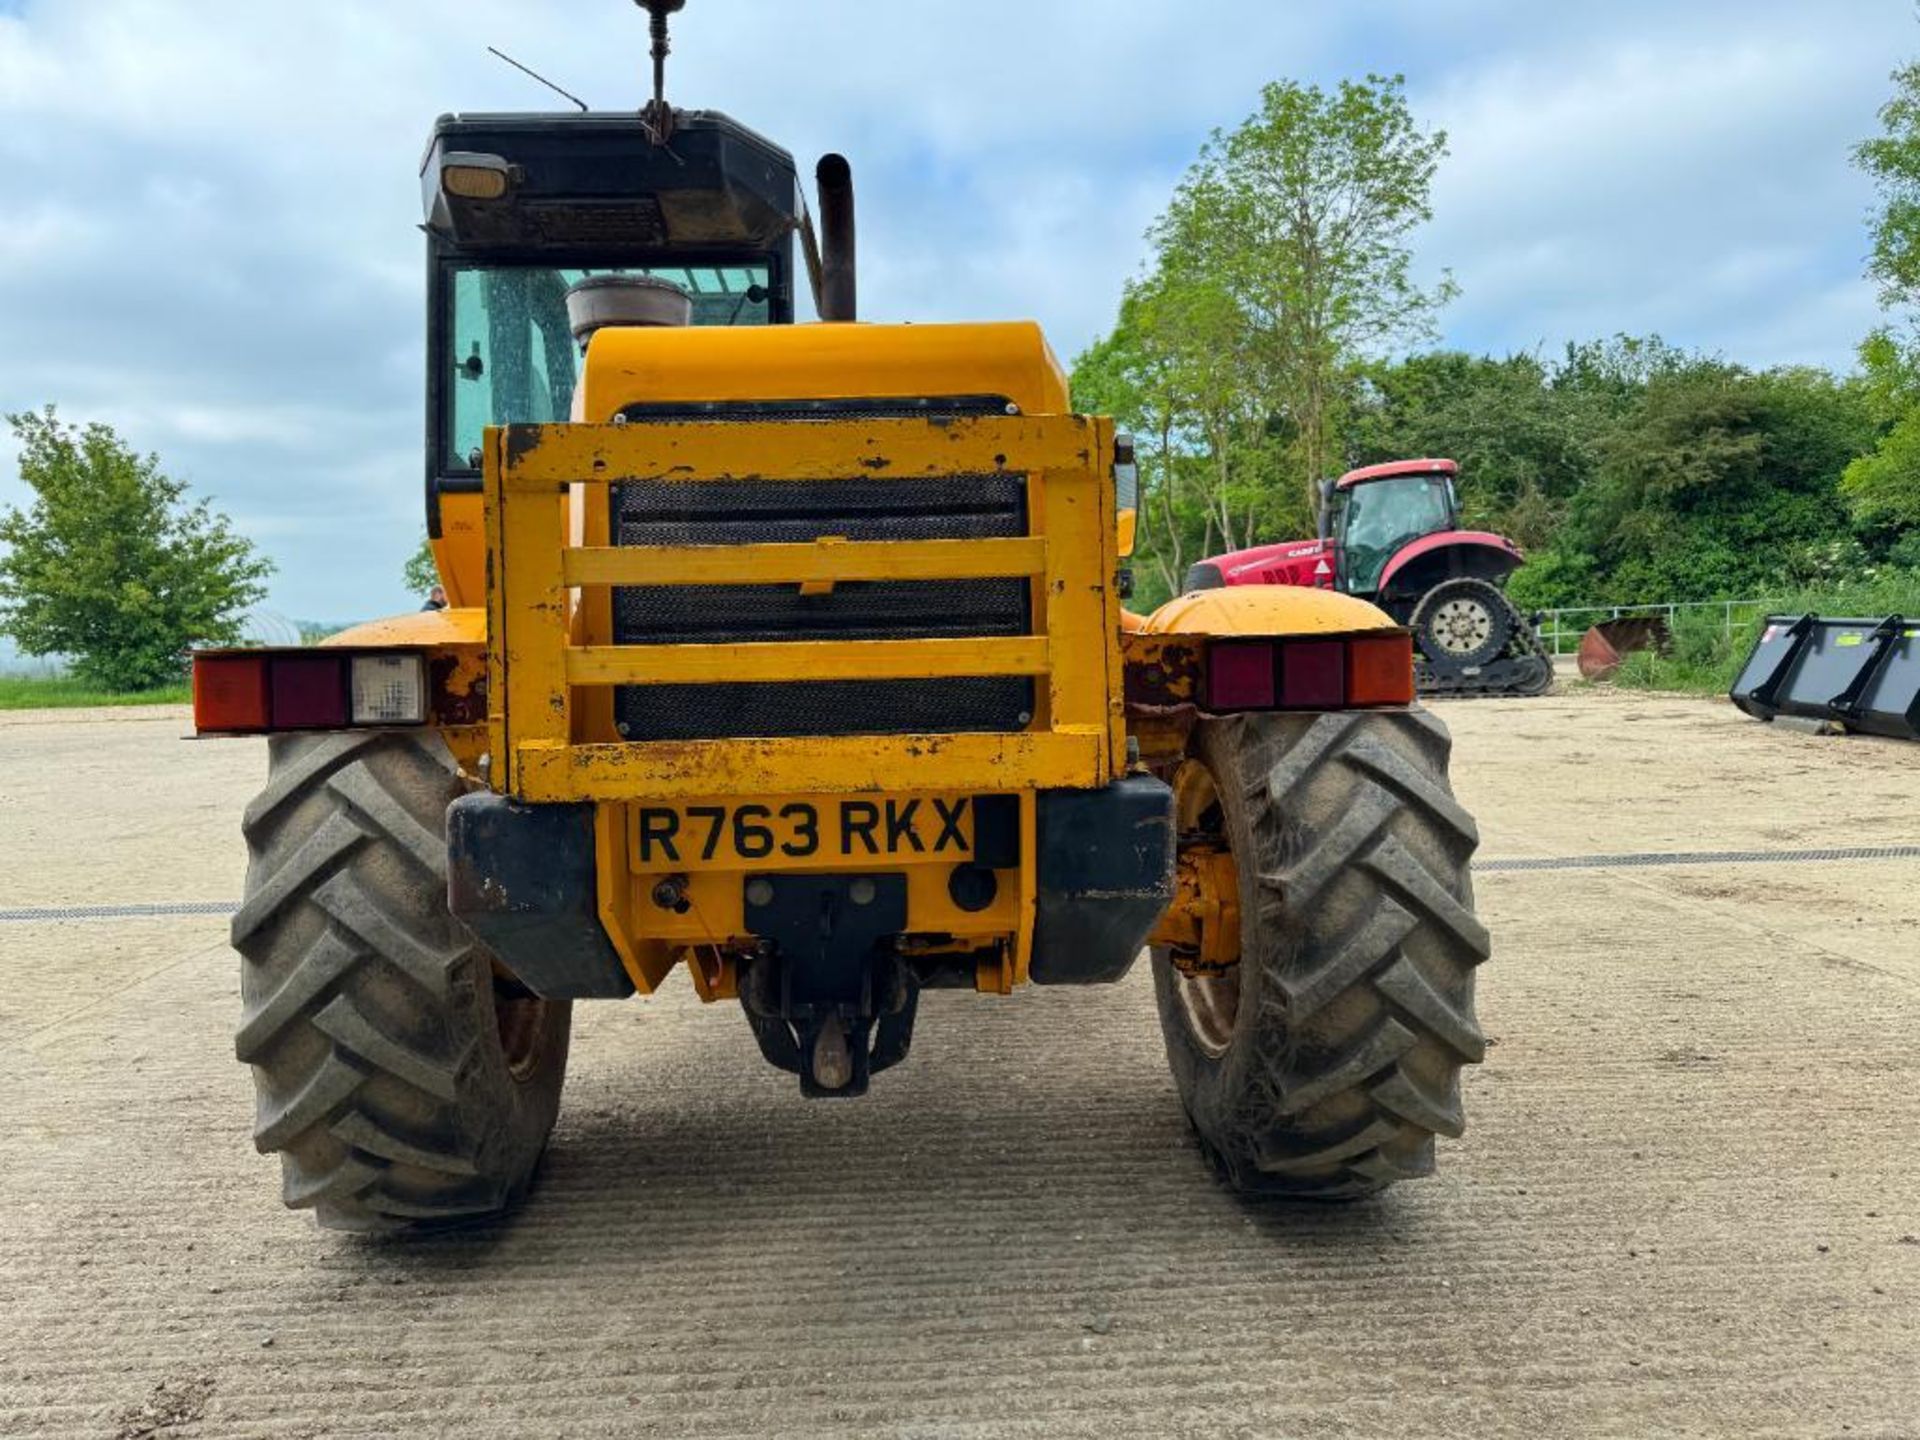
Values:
[(520, 1016), (1208, 1004), (1461, 625)]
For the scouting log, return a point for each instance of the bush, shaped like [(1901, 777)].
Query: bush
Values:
[(112, 565), (1706, 659)]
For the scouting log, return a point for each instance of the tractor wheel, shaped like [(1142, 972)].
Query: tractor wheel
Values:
[(401, 1075), (1463, 622), (1323, 1064)]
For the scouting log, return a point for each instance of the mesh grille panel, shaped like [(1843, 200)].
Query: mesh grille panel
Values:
[(778, 511)]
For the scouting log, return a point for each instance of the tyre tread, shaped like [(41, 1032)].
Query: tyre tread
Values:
[(1364, 929), (364, 1011)]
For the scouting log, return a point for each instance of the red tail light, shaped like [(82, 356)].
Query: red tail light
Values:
[(230, 692), (309, 692), (1240, 675), (240, 692), (1333, 672), (1313, 674), (1380, 670)]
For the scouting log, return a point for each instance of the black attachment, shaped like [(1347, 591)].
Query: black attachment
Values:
[(1861, 673), (521, 878), (838, 297), (1105, 876), (813, 1001)]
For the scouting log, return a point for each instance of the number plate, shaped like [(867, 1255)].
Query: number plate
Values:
[(830, 831)]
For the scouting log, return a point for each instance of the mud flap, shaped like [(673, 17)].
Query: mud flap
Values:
[(1105, 877), (521, 878)]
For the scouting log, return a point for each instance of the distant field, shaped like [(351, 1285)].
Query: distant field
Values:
[(34, 692)]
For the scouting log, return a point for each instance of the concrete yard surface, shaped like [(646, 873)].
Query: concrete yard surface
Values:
[(1688, 1200)]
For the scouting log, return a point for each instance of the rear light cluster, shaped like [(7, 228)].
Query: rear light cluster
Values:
[(1311, 672), (258, 690)]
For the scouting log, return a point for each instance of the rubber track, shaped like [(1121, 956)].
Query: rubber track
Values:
[(1525, 640)]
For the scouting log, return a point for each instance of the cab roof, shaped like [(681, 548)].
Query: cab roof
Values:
[(1395, 467), (597, 179)]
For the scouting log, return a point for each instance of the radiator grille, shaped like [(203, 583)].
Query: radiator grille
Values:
[(955, 507)]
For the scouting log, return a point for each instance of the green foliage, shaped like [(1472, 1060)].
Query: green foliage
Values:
[(111, 565), (1706, 657), (1712, 480), (1631, 471), (1280, 267), (1884, 487), (1256, 355), (420, 573), (1524, 446), (1892, 158), (24, 692)]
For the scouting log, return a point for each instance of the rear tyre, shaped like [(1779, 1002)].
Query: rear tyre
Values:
[(401, 1076), (1323, 1065), (1463, 622)]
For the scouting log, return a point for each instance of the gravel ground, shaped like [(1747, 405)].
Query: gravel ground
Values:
[(1688, 1202)]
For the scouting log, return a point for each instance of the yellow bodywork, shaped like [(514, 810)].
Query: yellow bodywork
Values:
[(1265, 610), (554, 664), (535, 549)]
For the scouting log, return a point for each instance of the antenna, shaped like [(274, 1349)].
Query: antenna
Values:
[(657, 115), (538, 76)]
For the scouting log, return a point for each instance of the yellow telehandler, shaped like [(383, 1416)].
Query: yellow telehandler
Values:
[(794, 656)]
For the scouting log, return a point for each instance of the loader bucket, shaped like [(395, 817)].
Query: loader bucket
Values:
[(1604, 646), (1864, 674)]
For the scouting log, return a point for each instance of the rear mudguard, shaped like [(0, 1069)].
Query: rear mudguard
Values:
[(1419, 565), (1265, 610)]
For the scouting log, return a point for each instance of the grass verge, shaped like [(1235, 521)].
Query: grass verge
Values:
[(1706, 661), (37, 692)]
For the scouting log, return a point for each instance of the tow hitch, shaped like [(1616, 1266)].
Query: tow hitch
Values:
[(826, 999)]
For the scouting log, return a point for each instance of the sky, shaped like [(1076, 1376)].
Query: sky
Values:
[(209, 208)]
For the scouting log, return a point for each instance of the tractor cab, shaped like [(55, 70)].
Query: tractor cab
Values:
[(1371, 513), (522, 207)]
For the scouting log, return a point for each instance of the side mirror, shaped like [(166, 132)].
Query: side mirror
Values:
[(1126, 492), (1323, 513)]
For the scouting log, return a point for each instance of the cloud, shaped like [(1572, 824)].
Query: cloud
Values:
[(208, 210)]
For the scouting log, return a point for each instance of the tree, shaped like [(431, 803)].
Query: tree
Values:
[(1893, 160), (1709, 482), (1524, 447), (1884, 487), (420, 573), (111, 564), (1300, 218), (1279, 268)]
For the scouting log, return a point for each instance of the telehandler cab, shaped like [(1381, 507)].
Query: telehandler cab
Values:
[(793, 655)]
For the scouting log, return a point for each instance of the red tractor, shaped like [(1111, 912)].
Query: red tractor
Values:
[(1391, 534)]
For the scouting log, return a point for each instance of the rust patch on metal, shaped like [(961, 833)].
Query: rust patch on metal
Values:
[(457, 681), (1162, 671), (523, 440)]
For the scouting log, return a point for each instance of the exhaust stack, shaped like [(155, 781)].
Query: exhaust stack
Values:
[(838, 299)]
